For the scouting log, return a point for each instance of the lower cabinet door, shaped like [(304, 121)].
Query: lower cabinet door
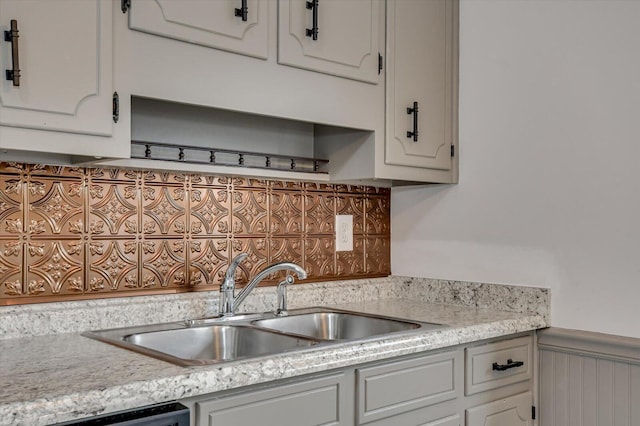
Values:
[(429, 416), (313, 402), (455, 420), (511, 411), (391, 389)]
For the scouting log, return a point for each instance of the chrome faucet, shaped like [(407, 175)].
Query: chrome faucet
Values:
[(229, 302)]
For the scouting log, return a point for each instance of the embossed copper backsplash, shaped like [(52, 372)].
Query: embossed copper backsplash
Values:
[(69, 232)]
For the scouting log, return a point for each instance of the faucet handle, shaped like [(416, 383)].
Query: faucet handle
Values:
[(281, 292)]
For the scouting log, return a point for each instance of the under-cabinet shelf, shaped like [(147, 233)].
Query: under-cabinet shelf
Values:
[(226, 157)]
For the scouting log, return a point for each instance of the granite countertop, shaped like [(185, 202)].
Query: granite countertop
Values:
[(60, 377), (49, 373)]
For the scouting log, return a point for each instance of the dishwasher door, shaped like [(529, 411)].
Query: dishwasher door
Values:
[(169, 414)]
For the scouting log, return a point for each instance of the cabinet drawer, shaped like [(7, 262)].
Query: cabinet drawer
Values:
[(314, 402), (480, 373), (391, 389)]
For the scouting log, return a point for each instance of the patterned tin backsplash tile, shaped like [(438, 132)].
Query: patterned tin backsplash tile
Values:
[(68, 233)]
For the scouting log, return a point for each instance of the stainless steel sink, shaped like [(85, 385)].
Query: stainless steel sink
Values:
[(206, 344), (222, 339), (217, 342), (336, 325)]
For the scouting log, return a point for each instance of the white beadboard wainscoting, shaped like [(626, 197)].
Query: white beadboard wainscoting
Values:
[(588, 379)]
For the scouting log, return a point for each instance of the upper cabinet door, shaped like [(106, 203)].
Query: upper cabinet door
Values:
[(64, 53), (221, 24), (421, 69), (338, 37)]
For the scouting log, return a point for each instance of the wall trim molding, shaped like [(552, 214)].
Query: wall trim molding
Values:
[(587, 343)]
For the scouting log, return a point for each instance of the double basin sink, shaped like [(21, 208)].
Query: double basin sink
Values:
[(214, 340)]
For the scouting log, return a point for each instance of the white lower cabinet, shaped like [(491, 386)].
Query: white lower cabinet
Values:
[(492, 368), (312, 402), (454, 420), (429, 389), (511, 411), (431, 416), (391, 389)]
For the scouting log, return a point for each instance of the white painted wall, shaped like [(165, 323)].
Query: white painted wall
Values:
[(549, 191)]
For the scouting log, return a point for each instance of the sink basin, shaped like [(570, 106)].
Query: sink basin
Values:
[(336, 325), (222, 339), (207, 344), (217, 342)]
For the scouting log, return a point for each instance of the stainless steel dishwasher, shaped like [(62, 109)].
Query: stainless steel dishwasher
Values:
[(169, 414)]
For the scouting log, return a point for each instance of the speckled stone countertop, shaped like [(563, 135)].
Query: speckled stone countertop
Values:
[(46, 379)]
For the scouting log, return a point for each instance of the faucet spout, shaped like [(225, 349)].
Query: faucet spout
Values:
[(283, 266), (231, 270)]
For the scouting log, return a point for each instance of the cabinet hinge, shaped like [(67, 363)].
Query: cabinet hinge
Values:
[(125, 5), (533, 412), (380, 63), (453, 150), (116, 107)]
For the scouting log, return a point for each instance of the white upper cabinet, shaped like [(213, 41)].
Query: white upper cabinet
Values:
[(318, 62), (238, 26), (421, 73), (64, 55), (338, 37)]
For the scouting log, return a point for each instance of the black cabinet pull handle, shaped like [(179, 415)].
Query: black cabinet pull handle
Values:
[(12, 37), (243, 11), (116, 109), (510, 364), (413, 111), (313, 32)]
